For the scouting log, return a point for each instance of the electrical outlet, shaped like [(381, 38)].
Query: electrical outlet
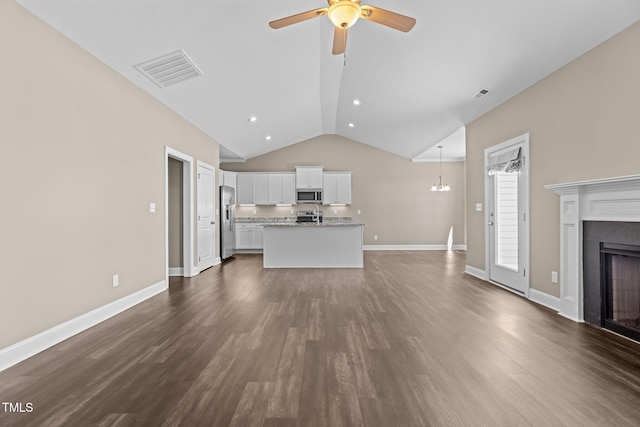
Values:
[(554, 276), (115, 281)]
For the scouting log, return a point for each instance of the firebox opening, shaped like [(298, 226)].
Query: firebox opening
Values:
[(620, 267)]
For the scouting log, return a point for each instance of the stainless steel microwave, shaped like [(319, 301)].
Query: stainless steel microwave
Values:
[(309, 196)]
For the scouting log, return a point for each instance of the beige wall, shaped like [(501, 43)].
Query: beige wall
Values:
[(391, 192), (583, 123), (83, 156)]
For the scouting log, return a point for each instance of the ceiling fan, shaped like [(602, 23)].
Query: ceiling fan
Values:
[(345, 13)]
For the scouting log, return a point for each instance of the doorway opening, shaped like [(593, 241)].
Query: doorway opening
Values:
[(185, 163), (175, 203)]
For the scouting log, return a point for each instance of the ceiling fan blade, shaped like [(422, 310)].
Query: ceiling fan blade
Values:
[(390, 19), (294, 19), (340, 40)]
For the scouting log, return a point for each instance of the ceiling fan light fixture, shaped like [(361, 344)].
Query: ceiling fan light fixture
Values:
[(344, 13)]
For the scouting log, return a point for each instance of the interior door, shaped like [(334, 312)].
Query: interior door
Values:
[(206, 216), (507, 216)]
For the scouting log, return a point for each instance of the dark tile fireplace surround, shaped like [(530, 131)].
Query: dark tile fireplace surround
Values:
[(610, 254)]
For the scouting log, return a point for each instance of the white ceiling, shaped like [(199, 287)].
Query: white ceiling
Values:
[(416, 89)]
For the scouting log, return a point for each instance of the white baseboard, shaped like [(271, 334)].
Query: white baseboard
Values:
[(413, 247), (176, 271), (476, 272), (31, 346), (193, 272), (545, 299), (536, 296)]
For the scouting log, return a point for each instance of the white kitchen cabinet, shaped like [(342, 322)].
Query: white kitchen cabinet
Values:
[(249, 236), (337, 188), (289, 188), (282, 188), (252, 189), (228, 178), (260, 189), (309, 177), (243, 238), (244, 190)]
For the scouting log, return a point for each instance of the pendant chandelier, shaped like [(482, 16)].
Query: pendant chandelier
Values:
[(440, 186)]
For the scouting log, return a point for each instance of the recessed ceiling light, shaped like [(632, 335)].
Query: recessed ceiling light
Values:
[(253, 119), (356, 102), (268, 137), (351, 125)]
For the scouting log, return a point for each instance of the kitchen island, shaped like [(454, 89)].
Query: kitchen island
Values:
[(329, 244)]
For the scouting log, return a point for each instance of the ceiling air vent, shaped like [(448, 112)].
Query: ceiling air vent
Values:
[(169, 69), (481, 93)]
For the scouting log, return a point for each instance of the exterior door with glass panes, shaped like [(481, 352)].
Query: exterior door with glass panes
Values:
[(507, 201)]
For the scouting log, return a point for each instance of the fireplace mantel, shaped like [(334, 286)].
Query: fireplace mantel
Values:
[(609, 199)]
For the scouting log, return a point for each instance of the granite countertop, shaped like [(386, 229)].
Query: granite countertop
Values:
[(313, 224), (265, 220), (291, 220)]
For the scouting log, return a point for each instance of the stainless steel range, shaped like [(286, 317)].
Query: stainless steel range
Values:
[(309, 216)]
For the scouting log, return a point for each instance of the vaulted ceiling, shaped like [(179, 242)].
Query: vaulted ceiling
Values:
[(416, 89)]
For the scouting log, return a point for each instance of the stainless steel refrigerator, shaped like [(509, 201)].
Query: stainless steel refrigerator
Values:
[(227, 222)]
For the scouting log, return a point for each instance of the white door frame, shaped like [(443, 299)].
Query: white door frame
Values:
[(213, 198), (187, 211), (522, 140)]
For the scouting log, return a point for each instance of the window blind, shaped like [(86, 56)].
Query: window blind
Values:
[(507, 161)]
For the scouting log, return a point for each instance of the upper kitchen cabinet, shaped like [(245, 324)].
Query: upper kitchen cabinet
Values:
[(337, 188), (228, 178), (252, 189), (309, 177), (282, 188)]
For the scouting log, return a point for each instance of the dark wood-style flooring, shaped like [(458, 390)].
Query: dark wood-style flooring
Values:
[(409, 340)]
